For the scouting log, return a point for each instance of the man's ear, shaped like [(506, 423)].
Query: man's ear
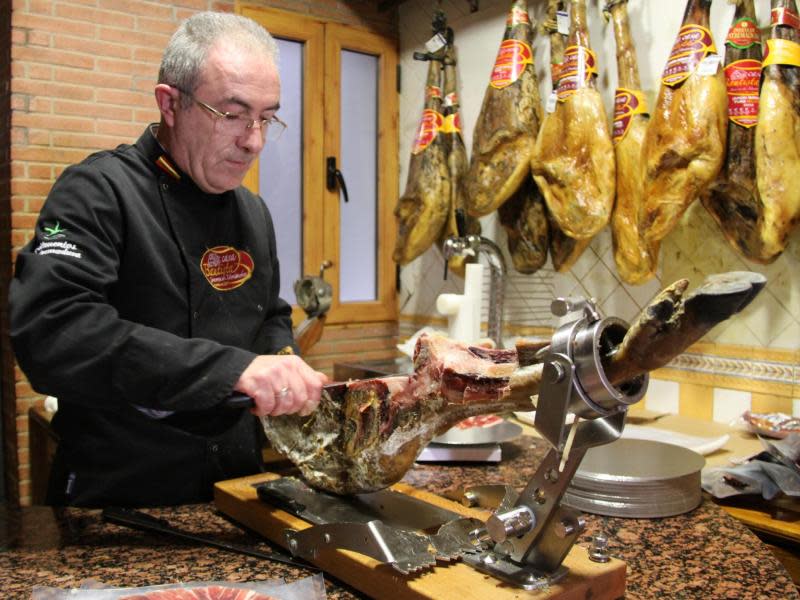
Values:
[(167, 98)]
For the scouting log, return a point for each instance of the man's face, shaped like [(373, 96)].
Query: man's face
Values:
[(237, 80)]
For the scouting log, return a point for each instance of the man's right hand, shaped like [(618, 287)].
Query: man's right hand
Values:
[(281, 385)]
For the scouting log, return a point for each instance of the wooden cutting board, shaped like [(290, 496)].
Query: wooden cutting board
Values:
[(238, 499)]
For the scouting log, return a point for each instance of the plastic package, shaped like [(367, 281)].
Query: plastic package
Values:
[(310, 588)]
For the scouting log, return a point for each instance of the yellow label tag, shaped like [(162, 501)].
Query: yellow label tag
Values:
[(782, 52), (452, 124)]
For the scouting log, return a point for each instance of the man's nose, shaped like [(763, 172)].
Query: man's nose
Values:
[(252, 139)]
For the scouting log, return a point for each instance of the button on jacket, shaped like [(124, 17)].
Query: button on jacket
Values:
[(138, 304)]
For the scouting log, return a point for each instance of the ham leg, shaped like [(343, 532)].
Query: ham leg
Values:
[(778, 135), (573, 158), (733, 199), (508, 120), (634, 259), (366, 434), (564, 250), (422, 210), (685, 141)]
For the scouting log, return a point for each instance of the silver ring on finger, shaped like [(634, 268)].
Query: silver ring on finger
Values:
[(284, 391)]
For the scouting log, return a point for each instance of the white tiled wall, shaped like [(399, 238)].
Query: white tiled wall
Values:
[(663, 396), (729, 405)]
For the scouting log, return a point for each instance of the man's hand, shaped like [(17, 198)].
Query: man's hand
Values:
[(281, 385)]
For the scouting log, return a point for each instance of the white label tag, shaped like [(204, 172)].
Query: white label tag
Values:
[(562, 22), (709, 65), (552, 102), (435, 43)]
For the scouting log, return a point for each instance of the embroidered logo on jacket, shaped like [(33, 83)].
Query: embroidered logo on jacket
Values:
[(226, 268), (54, 242)]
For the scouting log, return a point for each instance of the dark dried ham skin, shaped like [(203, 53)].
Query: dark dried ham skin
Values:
[(733, 200)]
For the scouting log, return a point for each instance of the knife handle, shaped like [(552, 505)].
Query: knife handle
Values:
[(238, 400)]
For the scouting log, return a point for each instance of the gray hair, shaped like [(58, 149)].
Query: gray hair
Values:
[(186, 51)]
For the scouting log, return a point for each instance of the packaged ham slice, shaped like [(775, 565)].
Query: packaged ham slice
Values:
[(309, 588)]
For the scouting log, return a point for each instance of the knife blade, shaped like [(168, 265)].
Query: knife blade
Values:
[(136, 519)]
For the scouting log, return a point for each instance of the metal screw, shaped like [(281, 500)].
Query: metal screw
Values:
[(563, 528), (599, 549), (555, 372), (470, 499)]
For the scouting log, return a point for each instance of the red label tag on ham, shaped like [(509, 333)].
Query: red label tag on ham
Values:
[(579, 66), (743, 34), (512, 59), (517, 16), (226, 268), (693, 44), (429, 127), (742, 78), (785, 16)]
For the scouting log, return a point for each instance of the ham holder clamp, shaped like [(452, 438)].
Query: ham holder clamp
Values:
[(594, 368)]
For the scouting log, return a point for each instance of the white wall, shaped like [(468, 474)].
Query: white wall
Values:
[(694, 249)]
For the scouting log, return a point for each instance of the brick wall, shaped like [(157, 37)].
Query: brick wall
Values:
[(82, 75), (8, 456)]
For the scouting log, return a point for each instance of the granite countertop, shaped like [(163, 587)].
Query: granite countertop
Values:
[(703, 554)]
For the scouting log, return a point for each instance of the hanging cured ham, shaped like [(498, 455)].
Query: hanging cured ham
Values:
[(635, 261), (778, 129), (524, 217), (423, 209), (508, 120), (573, 158), (733, 199), (564, 250), (457, 163), (685, 142)]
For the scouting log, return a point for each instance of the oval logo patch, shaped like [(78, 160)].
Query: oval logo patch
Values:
[(226, 268)]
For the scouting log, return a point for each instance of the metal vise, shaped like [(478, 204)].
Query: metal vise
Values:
[(530, 534)]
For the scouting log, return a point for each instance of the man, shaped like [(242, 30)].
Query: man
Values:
[(149, 294)]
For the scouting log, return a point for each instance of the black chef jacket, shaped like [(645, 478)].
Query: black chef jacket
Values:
[(138, 304)]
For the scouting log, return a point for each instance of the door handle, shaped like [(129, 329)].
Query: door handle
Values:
[(335, 178)]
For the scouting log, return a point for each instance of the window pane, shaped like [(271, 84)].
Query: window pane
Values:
[(280, 177), (359, 141)]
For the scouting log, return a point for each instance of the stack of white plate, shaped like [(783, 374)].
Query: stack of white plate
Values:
[(637, 479)]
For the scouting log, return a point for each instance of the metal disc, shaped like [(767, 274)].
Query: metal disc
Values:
[(495, 434), (637, 479)]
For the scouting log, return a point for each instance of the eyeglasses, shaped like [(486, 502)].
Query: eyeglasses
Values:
[(237, 125)]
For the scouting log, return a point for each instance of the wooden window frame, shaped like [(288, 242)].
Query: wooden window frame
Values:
[(322, 46)]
